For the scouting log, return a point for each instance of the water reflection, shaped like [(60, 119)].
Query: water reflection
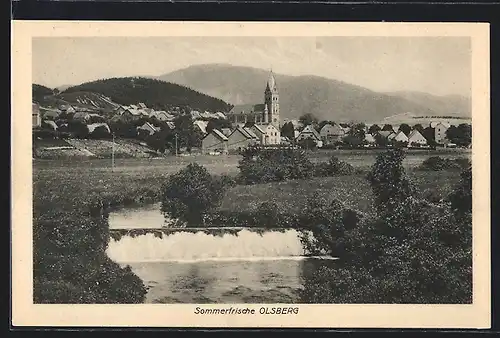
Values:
[(268, 281)]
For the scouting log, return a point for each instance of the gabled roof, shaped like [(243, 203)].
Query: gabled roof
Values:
[(170, 124), (247, 108), (369, 138), (250, 132), (258, 129), (226, 131), (385, 133), (242, 131), (415, 133), (150, 126), (202, 125), (217, 134), (91, 127), (309, 129)]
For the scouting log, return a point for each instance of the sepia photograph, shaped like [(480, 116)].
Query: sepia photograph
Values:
[(239, 166)]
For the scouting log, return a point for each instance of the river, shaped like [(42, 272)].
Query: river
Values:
[(243, 266)]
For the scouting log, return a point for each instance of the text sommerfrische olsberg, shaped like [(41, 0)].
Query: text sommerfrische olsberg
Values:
[(247, 311)]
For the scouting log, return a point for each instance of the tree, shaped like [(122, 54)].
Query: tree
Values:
[(388, 180), (190, 193), (356, 135), (461, 135), (405, 129), (218, 124), (100, 132), (428, 133), (79, 129), (187, 136), (387, 127), (374, 128), (288, 130), (308, 119), (419, 127)]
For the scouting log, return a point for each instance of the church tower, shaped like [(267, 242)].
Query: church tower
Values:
[(271, 102)]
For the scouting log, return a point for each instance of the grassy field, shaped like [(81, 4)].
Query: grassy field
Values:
[(63, 184)]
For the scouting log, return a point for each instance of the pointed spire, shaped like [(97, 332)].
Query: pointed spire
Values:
[(271, 81)]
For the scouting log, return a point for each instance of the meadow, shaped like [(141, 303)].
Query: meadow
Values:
[(68, 219), (69, 184)]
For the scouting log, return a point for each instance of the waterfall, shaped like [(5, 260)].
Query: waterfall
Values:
[(186, 246)]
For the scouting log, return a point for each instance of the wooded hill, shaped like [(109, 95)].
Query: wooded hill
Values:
[(154, 93)]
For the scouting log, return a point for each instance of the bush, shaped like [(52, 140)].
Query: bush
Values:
[(438, 163), (189, 194), (70, 263), (271, 165), (388, 180), (416, 253), (334, 167)]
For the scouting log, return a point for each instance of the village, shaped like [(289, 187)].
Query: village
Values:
[(244, 125)]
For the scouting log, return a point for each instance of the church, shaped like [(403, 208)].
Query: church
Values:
[(264, 117)]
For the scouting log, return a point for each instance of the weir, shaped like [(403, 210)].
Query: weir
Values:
[(199, 244)]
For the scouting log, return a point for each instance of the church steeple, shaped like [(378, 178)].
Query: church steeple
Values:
[(271, 100)]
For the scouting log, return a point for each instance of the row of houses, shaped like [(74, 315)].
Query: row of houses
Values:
[(332, 133), (227, 139)]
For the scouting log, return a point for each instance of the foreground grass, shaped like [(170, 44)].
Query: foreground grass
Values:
[(353, 190)]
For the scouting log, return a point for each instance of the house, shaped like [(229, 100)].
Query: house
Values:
[(148, 127), (370, 139), (130, 115), (416, 138), (49, 114), (81, 116), (331, 133), (36, 119), (214, 141), (399, 137), (272, 134), (239, 139), (91, 127), (170, 125), (385, 133), (220, 115), (252, 134), (142, 106), (261, 133), (206, 115), (226, 131), (309, 132), (49, 124), (195, 114), (440, 132), (201, 126), (162, 115)]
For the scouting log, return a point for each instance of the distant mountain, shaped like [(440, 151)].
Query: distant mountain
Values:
[(325, 98), (450, 105), (152, 92)]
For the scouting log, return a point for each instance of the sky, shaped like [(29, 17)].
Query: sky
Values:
[(436, 65)]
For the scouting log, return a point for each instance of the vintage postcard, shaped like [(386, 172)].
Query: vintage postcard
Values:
[(251, 174)]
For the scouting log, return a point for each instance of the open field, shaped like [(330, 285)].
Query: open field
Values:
[(228, 164), (67, 185)]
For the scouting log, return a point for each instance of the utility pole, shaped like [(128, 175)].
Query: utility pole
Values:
[(176, 144), (113, 154)]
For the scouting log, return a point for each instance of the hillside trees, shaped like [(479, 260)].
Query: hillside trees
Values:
[(154, 93)]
